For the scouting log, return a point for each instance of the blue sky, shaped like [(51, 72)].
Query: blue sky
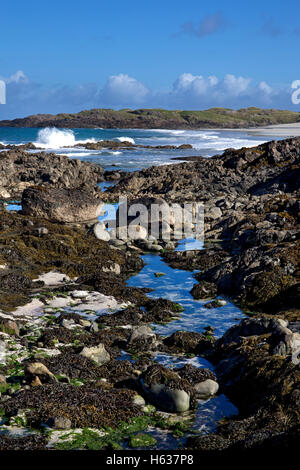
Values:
[(58, 56)]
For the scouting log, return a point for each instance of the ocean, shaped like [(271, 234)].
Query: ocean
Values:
[(61, 141)]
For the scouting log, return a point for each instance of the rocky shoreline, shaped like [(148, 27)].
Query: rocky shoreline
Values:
[(78, 364)]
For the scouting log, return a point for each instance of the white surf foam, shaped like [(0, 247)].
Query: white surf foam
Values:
[(211, 140), (75, 154), (126, 139), (53, 138), (225, 143)]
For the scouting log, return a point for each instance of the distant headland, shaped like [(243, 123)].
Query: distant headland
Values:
[(160, 119)]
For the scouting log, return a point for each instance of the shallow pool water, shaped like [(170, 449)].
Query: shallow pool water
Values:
[(176, 285), (13, 206), (209, 412), (189, 244)]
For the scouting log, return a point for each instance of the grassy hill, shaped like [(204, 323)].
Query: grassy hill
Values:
[(160, 118)]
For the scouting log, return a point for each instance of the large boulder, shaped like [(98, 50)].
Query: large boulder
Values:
[(20, 170), (207, 388), (60, 205)]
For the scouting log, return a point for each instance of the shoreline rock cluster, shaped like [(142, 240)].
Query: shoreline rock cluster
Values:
[(77, 350), (20, 170), (251, 201)]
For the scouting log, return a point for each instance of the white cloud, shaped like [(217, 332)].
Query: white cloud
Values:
[(265, 88), (122, 90), (188, 91), (235, 86), (197, 84), (17, 77), (197, 91)]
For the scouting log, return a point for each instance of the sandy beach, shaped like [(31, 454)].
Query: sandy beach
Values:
[(281, 130)]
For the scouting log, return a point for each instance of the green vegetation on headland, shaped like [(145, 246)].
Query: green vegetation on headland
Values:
[(160, 118)]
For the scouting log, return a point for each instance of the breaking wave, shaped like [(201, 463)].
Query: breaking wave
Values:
[(53, 138), (126, 139)]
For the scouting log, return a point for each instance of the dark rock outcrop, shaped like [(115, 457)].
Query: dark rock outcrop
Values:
[(263, 382), (268, 168), (251, 199), (19, 170)]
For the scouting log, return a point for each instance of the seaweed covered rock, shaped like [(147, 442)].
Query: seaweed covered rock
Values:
[(30, 442), (14, 281), (195, 374), (188, 342), (111, 284), (60, 205), (159, 309), (127, 316), (263, 382), (248, 366), (113, 339), (73, 366), (281, 340), (83, 406), (232, 174), (203, 380), (117, 372), (198, 259), (166, 389), (142, 339), (204, 290), (70, 250)]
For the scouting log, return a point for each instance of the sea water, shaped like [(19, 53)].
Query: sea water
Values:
[(62, 141)]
